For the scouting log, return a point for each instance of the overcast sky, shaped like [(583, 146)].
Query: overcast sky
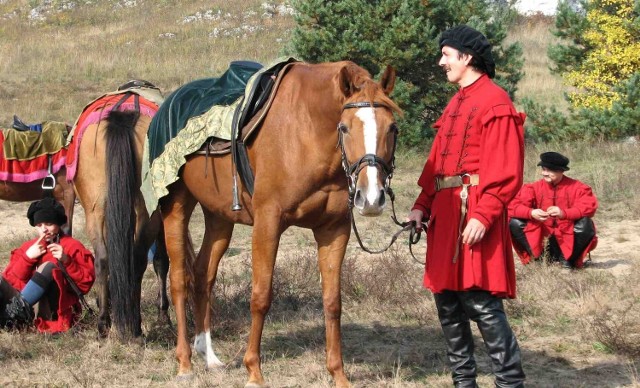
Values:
[(547, 7)]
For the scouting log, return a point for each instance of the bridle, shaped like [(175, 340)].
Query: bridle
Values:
[(372, 160)]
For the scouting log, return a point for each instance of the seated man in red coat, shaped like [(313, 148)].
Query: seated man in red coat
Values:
[(556, 207), (34, 275)]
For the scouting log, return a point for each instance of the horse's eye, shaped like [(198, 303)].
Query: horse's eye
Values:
[(343, 128)]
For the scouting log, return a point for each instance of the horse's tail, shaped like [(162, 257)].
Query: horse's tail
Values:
[(120, 222)]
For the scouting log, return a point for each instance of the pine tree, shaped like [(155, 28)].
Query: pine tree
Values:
[(404, 34)]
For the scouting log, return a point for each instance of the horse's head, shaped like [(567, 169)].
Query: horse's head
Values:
[(367, 135)]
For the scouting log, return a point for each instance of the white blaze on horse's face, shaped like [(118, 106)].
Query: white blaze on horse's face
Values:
[(372, 201)]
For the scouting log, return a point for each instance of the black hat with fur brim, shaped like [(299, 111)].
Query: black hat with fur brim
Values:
[(46, 210), (554, 161)]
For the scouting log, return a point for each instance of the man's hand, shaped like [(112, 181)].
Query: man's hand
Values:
[(56, 251), (539, 215), (554, 211), (473, 232), (416, 216), (37, 249)]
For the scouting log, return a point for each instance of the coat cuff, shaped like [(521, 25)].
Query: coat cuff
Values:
[(572, 213)]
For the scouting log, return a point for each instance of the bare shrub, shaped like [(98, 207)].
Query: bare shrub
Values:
[(616, 327), (391, 284)]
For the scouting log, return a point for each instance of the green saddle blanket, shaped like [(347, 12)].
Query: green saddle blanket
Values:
[(27, 145), (194, 99), (184, 135)]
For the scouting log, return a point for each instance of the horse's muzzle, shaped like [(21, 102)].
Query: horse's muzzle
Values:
[(369, 203)]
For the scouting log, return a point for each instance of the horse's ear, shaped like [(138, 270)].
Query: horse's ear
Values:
[(388, 80), (346, 83)]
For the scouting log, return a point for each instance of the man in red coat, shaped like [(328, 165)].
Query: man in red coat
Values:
[(473, 171), (34, 274), (555, 207)]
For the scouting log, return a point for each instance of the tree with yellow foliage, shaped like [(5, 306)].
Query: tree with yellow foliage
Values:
[(602, 51)]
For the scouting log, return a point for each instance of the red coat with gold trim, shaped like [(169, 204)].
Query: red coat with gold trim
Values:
[(80, 268), (574, 198), (480, 132)]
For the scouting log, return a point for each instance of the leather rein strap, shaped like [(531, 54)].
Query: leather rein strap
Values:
[(371, 160)]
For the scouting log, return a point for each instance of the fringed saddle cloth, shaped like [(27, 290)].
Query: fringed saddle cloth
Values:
[(209, 131)]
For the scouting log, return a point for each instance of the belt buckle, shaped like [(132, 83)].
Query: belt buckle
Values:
[(464, 193)]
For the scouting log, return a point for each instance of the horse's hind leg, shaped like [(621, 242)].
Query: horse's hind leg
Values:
[(176, 211), (332, 244), (94, 224), (214, 244), (161, 269)]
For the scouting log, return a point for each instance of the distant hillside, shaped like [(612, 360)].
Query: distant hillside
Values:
[(59, 55)]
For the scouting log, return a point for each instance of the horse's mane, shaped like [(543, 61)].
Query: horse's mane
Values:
[(365, 85)]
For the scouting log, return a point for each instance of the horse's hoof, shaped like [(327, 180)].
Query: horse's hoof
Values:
[(255, 385), (184, 377), (215, 366)]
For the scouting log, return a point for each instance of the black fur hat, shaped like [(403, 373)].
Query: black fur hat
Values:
[(467, 40), (46, 210), (554, 161)]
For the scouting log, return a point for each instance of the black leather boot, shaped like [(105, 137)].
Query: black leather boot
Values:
[(19, 312), (516, 226), (488, 312), (457, 333), (583, 233)]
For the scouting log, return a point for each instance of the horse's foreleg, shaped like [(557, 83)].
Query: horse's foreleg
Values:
[(215, 242), (332, 244), (265, 241), (176, 211)]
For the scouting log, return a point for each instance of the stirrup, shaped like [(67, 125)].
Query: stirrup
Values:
[(49, 182)]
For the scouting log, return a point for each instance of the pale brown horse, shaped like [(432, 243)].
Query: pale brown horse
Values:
[(54, 184), (299, 181), (107, 182)]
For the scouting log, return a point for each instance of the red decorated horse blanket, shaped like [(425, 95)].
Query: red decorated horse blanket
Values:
[(98, 110), (25, 171)]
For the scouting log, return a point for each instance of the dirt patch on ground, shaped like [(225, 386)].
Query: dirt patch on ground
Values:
[(618, 246)]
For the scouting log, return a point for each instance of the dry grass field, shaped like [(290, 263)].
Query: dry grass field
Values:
[(576, 329)]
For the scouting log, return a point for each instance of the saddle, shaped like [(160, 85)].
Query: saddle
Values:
[(246, 119), (19, 125), (137, 83)]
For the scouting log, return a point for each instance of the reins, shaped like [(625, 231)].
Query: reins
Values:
[(371, 160)]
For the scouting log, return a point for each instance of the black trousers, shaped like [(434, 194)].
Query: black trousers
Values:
[(455, 310), (583, 232)]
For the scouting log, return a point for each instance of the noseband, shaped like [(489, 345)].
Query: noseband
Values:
[(372, 160)]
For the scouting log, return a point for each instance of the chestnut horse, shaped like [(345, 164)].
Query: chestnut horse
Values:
[(107, 182), (33, 191), (299, 160), (47, 183)]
